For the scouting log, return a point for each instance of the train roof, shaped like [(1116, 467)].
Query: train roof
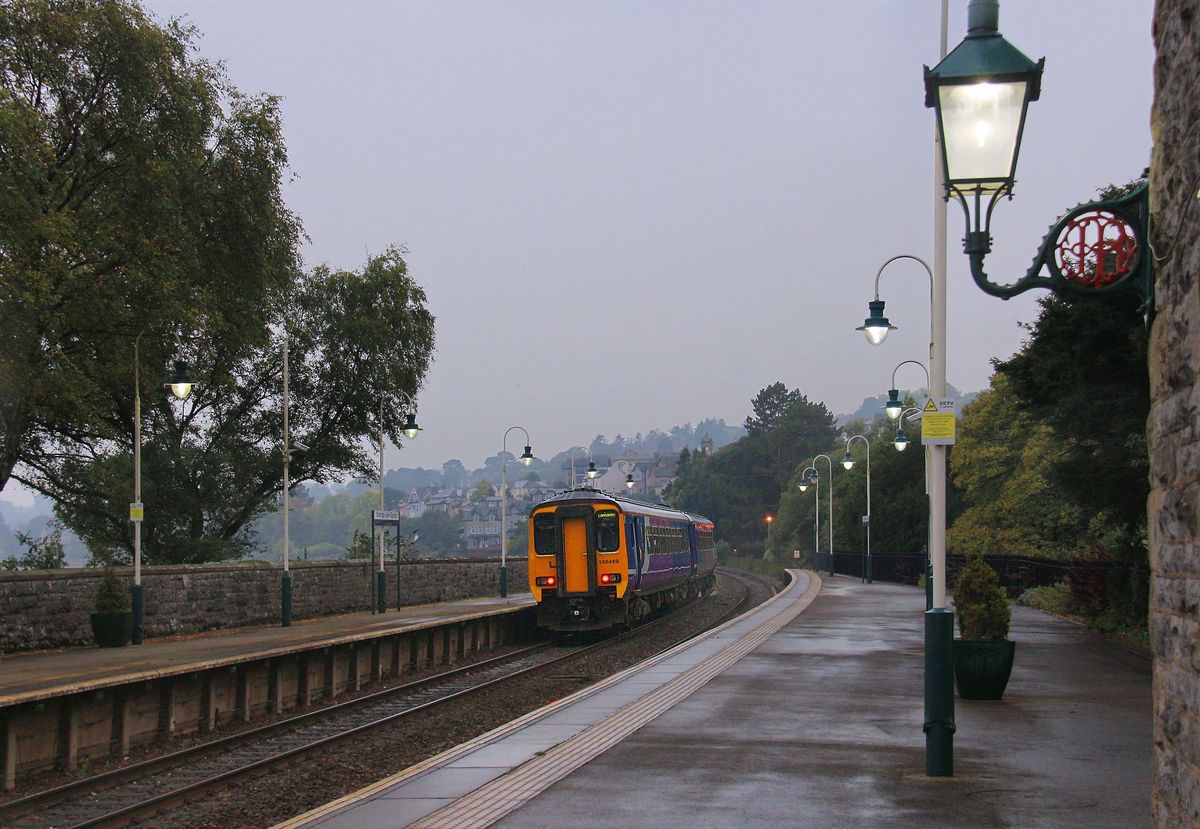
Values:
[(625, 504)]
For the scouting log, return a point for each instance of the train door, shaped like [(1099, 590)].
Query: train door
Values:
[(634, 550), (577, 558), (693, 549)]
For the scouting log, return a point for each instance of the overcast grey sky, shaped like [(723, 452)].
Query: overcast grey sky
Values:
[(629, 215)]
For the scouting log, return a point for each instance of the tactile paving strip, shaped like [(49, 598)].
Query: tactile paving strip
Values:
[(494, 800)]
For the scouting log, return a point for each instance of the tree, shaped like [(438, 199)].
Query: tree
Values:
[(360, 344), (1003, 462), (454, 473), (1083, 372), (739, 484), (139, 193), (482, 490), (770, 406), (44, 553)]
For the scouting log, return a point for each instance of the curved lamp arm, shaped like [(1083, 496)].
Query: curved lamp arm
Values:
[(928, 271), (915, 363)]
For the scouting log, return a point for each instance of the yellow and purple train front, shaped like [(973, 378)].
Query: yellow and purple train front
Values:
[(598, 561)]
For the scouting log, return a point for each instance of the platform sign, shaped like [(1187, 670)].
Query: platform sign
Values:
[(937, 422), (137, 511), (795, 554), (385, 516)]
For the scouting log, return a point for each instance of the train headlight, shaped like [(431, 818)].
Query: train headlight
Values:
[(610, 578), (546, 581)]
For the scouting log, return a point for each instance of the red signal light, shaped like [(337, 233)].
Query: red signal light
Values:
[(546, 581), (610, 578)]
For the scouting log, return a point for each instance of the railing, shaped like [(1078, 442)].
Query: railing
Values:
[(1017, 574)]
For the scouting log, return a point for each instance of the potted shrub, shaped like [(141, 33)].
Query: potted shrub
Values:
[(983, 657), (112, 623)]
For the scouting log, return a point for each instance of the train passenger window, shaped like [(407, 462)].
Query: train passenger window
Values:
[(608, 532), (545, 534)]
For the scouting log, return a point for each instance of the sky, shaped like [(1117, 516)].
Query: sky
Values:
[(629, 215)]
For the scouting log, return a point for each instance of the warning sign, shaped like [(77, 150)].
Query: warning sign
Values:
[(937, 422)]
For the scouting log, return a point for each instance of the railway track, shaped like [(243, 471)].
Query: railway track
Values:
[(137, 791)]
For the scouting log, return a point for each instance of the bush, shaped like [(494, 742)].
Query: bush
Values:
[(112, 597), (1055, 598), (981, 603)]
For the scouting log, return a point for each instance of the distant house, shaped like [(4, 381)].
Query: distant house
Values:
[(480, 524), (414, 506), (448, 501), (650, 474)]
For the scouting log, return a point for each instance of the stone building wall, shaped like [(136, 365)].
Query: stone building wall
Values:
[(1173, 428), (51, 608)]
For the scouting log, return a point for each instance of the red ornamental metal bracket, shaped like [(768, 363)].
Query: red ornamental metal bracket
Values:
[(1095, 248)]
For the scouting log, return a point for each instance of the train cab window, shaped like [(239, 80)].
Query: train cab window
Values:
[(608, 532), (545, 534)]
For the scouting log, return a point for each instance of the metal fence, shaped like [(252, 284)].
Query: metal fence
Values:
[(1017, 574)]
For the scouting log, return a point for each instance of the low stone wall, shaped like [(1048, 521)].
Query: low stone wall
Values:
[(51, 608)]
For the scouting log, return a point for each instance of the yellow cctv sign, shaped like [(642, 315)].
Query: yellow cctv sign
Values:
[(937, 422)]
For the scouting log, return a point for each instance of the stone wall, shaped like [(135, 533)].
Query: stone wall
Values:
[(51, 608), (1173, 428)]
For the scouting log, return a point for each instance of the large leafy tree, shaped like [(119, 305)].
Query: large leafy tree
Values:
[(1083, 374), (360, 345), (139, 193), (1004, 462), (738, 485)]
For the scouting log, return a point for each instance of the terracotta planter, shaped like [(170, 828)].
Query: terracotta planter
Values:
[(981, 669), (114, 629)]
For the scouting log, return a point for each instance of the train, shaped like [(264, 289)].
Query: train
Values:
[(600, 562)]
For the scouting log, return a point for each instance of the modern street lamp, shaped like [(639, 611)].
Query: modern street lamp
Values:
[(817, 475), (286, 583), (876, 326), (181, 386), (572, 451), (770, 519), (894, 405), (900, 441), (810, 477), (526, 459), (629, 482), (848, 463)]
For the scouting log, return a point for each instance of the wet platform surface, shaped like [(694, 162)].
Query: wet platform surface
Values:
[(35, 676), (818, 723)]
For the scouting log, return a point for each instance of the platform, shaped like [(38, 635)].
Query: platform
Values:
[(64, 707), (29, 677), (806, 713)]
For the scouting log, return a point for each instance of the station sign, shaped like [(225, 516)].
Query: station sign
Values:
[(385, 516), (938, 422)]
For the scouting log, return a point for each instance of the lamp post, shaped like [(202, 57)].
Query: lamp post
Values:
[(770, 519), (286, 584), (809, 477), (526, 459), (980, 93), (817, 475), (848, 463), (572, 451), (894, 405), (181, 386)]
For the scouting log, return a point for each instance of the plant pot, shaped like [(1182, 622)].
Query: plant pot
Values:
[(981, 669), (113, 629)]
